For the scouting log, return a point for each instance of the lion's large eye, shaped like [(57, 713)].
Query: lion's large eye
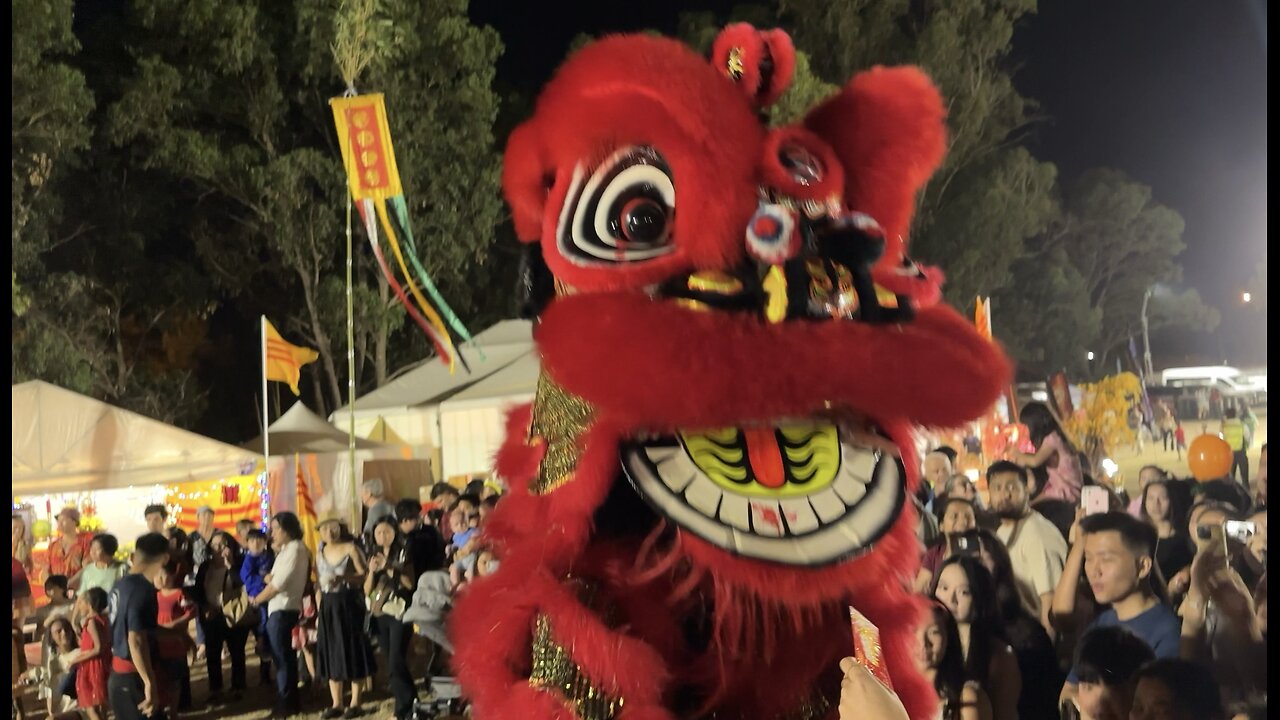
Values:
[(624, 212)]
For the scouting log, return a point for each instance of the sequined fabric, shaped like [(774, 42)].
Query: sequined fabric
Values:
[(555, 671), (814, 708), (559, 418)]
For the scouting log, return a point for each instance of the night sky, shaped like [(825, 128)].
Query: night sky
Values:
[(1173, 92)]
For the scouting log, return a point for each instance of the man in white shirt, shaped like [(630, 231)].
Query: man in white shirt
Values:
[(1037, 549), (283, 598)]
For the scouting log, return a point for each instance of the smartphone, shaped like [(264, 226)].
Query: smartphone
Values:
[(1094, 499), (965, 544), (1211, 536), (1240, 530)]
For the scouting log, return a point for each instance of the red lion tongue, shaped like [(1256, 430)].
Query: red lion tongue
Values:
[(765, 457)]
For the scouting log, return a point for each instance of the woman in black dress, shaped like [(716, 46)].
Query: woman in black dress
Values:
[(343, 654)]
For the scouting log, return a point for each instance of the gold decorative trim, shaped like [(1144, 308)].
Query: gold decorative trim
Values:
[(559, 419), (735, 65), (815, 707), (714, 281), (554, 671)]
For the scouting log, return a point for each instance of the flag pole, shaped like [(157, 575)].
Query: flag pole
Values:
[(266, 431), (351, 366)]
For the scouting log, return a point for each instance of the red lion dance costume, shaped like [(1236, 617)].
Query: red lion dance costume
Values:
[(735, 347)]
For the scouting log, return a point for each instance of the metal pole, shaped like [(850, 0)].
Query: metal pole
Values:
[(351, 363), (1146, 338), (266, 425)]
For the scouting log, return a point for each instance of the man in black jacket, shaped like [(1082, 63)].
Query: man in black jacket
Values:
[(426, 547)]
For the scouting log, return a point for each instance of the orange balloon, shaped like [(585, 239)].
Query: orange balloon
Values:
[(1209, 458)]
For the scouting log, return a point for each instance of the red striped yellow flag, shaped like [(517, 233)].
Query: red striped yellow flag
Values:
[(284, 360), (306, 509)]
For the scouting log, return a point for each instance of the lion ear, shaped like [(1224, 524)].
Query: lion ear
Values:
[(888, 127), (526, 180), (760, 62)]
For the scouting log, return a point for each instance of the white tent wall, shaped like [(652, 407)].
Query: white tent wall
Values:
[(472, 421), (67, 442), (471, 438)]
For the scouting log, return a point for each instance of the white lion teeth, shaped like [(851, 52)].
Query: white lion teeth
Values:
[(850, 490), (829, 525), (661, 453), (766, 518), (703, 495), (734, 511), (675, 467), (799, 515), (861, 464), (828, 505)]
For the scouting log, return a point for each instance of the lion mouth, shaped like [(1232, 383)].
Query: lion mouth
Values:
[(807, 493)]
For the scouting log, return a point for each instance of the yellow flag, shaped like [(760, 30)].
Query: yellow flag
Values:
[(284, 360), (306, 509)]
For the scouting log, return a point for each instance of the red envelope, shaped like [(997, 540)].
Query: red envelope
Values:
[(866, 646)]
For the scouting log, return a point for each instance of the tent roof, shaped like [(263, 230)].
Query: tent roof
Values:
[(431, 382), (382, 432), (517, 380), (301, 431), (64, 441)]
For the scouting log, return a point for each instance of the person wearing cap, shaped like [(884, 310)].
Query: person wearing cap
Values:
[(68, 554)]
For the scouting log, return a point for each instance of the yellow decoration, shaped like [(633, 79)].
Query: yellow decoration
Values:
[(1101, 420), (716, 282), (365, 139), (805, 450), (559, 419), (775, 286)]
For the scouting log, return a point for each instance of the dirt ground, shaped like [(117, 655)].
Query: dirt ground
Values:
[(256, 702), (1131, 460)]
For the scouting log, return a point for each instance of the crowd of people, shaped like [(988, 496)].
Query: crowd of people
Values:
[(120, 638), (1041, 605), (1147, 609)]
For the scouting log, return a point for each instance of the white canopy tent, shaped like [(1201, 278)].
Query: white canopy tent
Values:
[(299, 437), (460, 413), (66, 442), (299, 430)]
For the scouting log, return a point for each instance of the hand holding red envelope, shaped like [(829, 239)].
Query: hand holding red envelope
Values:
[(866, 647)]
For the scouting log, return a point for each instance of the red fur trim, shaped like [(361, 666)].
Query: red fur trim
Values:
[(784, 64), (887, 125), (750, 45), (637, 90), (517, 460), (523, 181), (778, 177), (558, 525), (654, 365), (753, 44), (924, 289), (492, 626)]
